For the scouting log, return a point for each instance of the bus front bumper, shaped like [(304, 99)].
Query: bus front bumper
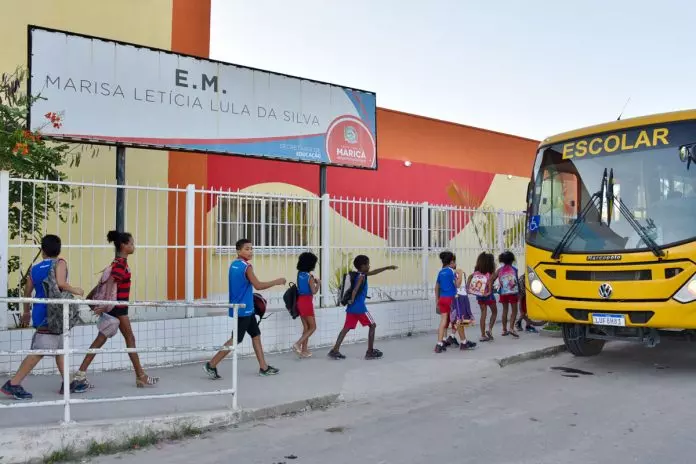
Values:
[(660, 315)]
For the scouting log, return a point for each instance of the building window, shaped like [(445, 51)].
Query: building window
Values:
[(267, 222), (440, 228), (404, 227)]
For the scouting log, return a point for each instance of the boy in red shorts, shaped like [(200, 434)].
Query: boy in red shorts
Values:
[(356, 312)]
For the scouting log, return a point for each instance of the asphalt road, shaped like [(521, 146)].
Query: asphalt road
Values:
[(629, 405)]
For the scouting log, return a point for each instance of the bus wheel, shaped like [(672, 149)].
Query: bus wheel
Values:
[(577, 342)]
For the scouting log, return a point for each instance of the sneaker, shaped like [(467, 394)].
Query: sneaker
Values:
[(440, 348), (518, 325), (76, 386), (531, 329), (374, 354), (469, 345), (211, 371), (270, 370), (16, 391), (452, 341), (335, 355), (82, 379)]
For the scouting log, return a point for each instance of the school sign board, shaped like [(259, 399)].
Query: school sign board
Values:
[(115, 93)]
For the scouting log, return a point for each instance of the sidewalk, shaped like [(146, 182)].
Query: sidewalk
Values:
[(408, 362)]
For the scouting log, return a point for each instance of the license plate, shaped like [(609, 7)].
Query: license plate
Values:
[(616, 320)]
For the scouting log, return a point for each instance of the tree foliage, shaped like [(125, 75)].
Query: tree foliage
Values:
[(27, 155)]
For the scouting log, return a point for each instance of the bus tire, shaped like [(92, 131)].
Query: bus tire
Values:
[(578, 344)]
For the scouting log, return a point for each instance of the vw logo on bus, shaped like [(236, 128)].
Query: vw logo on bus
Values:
[(605, 290)]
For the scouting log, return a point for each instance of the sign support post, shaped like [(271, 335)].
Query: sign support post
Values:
[(120, 190)]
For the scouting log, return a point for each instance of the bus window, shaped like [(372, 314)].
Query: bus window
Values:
[(559, 198)]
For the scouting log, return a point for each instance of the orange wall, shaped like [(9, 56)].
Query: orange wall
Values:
[(191, 36), (418, 139)]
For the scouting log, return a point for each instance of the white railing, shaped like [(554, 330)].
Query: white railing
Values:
[(185, 240), (67, 351)]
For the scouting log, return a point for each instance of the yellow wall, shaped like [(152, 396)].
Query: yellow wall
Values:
[(349, 240), (146, 22)]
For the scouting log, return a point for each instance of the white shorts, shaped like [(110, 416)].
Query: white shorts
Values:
[(45, 341)]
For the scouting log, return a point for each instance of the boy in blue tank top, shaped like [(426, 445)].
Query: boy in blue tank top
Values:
[(43, 339), (356, 311), (242, 283)]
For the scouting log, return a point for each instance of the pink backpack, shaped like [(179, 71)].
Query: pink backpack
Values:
[(478, 284), (105, 290), (509, 285)]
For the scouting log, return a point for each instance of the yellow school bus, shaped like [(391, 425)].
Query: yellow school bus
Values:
[(611, 231)]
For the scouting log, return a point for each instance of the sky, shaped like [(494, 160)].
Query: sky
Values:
[(532, 68)]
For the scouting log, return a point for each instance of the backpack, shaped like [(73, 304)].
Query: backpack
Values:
[(54, 311), (478, 283), (105, 290), (509, 284), (259, 305), (290, 299), (346, 290)]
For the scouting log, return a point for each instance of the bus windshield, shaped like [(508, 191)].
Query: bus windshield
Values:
[(650, 179)]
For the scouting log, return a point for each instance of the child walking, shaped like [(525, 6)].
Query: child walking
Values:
[(356, 311), (121, 273), (506, 276), (307, 287), (529, 326), (480, 284), (449, 279), (461, 317), (43, 339), (242, 282)]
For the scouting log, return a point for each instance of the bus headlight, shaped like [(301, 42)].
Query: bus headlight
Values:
[(536, 286), (687, 293)]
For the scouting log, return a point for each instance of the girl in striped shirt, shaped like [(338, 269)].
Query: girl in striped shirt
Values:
[(121, 274)]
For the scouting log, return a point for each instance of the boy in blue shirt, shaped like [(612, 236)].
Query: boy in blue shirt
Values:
[(43, 339), (242, 283), (357, 312)]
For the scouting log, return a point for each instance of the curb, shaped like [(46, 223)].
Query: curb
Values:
[(295, 407), (531, 355), (32, 444)]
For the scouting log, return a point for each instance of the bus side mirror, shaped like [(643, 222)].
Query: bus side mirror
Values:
[(530, 192), (687, 154)]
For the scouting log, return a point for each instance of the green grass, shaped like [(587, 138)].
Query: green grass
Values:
[(67, 454), (129, 443)]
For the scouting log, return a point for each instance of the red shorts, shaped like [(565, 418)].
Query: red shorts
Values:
[(305, 305), (444, 304), (509, 299), (352, 319)]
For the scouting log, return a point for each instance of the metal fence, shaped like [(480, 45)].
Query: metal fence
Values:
[(185, 241), (68, 351)]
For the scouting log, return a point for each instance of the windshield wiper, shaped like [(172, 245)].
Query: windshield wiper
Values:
[(630, 218), (568, 236)]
